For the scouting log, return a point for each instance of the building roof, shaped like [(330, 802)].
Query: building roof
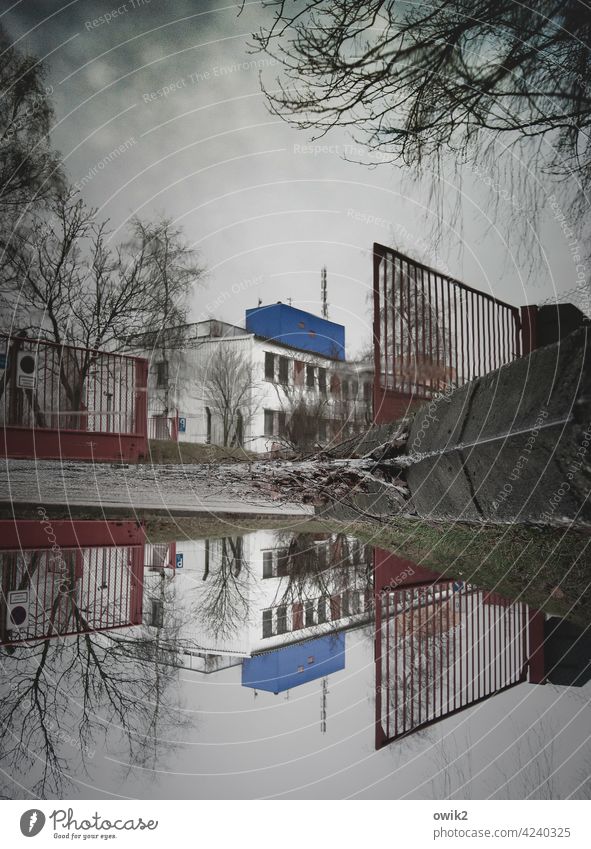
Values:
[(297, 328)]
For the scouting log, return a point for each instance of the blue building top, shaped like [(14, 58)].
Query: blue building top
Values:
[(297, 328), (289, 667)]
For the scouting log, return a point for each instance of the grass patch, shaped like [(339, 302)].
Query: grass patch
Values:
[(164, 451), (547, 568)]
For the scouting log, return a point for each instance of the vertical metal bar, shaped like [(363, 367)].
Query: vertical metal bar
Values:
[(411, 322), (386, 313), (460, 648), (430, 307), (404, 659), (427, 649), (423, 357), (396, 640), (437, 318), (419, 655), (452, 341), (377, 356), (443, 330), (388, 704), (393, 315)]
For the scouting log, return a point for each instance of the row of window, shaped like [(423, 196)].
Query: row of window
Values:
[(275, 424), (283, 370), (286, 618), (276, 561)]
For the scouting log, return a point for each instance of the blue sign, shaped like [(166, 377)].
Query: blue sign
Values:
[(179, 561), (182, 424)]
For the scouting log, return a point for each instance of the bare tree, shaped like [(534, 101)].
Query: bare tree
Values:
[(63, 281), (29, 169), (229, 387), (418, 82), (59, 698), (224, 604)]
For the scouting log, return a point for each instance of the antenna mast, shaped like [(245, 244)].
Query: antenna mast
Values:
[(323, 292), (323, 705)]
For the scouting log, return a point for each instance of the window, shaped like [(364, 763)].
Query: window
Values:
[(283, 370), (267, 564), (322, 380), (355, 389), (322, 430), (345, 388), (281, 423), (309, 613), (367, 392), (269, 366), (282, 562), (310, 382), (269, 422), (321, 610), (157, 613), (208, 424), (267, 623), (161, 374), (335, 384), (282, 620), (298, 372)]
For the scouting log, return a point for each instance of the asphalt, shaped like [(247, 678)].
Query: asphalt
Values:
[(198, 489)]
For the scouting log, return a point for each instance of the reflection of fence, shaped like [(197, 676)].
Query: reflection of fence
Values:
[(160, 555), (63, 588), (63, 401), (164, 427), (432, 332), (442, 648)]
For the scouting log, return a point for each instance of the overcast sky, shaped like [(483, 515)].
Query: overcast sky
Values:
[(175, 85)]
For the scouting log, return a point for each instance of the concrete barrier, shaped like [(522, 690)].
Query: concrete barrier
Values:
[(514, 445)]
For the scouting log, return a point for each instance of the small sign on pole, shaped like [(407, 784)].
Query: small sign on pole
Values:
[(182, 424), (179, 561)]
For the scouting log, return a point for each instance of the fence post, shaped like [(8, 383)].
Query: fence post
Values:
[(141, 404), (529, 328)]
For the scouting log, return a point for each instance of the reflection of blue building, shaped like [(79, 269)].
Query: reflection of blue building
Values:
[(289, 667), (297, 328)]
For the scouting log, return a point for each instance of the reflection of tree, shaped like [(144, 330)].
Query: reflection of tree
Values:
[(224, 604), (66, 694), (310, 570)]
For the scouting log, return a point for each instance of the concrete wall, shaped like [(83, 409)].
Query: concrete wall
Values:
[(513, 445)]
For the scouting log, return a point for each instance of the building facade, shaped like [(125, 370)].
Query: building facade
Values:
[(279, 382)]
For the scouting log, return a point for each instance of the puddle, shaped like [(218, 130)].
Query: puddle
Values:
[(275, 663)]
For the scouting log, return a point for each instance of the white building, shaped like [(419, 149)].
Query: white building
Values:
[(235, 597), (263, 386)]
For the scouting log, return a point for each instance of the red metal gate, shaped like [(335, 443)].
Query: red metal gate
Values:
[(442, 646), (431, 333), (68, 577), (64, 402)]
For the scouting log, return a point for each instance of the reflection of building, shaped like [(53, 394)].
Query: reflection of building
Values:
[(73, 577), (285, 668), (299, 380), (239, 596)]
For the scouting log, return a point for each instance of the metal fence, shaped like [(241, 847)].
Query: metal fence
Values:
[(432, 332), (441, 648), (74, 591), (164, 427), (66, 401)]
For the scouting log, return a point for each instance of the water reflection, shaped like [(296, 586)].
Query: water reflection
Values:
[(98, 628)]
